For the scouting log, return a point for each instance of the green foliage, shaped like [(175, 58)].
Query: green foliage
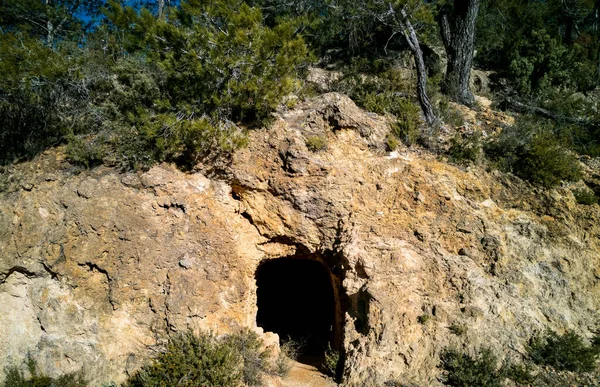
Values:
[(191, 360), (184, 139), (38, 97), (458, 329), (87, 152), (585, 139), (378, 87), (521, 374), (321, 27), (406, 128), (541, 47), (255, 361), (536, 63), (288, 352), (596, 342), (376, 103), (211, 65), (464, 370), (331, 362), (545, 54), (424, 318), (530, 150), (546, 162), (316, 143), (565, 359), (52, 22), (205, 360), (219, 55), (143, 88), (449, 114), (585, 196), (566, 352), (16, 378), (392, 142), (135, 88), (406, 131), (350, 28), (466, 149)]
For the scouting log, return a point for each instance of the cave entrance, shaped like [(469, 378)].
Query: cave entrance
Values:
[(296, 299)]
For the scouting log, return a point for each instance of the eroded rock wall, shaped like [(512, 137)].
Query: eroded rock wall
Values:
[(97, 269)]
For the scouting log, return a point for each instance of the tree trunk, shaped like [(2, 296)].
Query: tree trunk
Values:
[(569, 24), (523, 108), (49, 27), (161, 8), (458, 35), (413, 42), (50, 35)]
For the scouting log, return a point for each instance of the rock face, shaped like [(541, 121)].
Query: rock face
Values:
[(97, 269)]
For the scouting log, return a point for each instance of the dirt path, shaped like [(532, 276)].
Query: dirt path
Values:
[(303, 375)]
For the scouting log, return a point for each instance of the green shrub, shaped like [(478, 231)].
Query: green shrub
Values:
[(87, 152), (205, 360), (449, 114), (316, 143), (521, 374), (466, 149), (40, 98), (585, 139), (565, 360), (406, 128), (134, 148), (463, 370), (255, 361), (566, 352), (384, 91), (549, 377), (458, 329), (390, 103), (596, 342), (407, 111), (406, 131), (141, 89), (424, 318), (191, 360), (392, 142), (531, 150), (331, 362), (16, 378), (243, 74), (537, 62), (547, 162), (585, 196), (288, 352), (374, 85), (376, 103), (157, 138)]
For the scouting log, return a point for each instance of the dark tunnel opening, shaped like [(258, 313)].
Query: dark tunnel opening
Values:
[(296, 300)]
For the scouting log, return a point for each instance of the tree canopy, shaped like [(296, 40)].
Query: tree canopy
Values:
[(131, 83)]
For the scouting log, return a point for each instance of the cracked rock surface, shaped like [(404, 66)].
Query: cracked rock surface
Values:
[(97, 269)]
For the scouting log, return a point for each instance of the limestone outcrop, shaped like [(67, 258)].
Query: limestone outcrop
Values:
[(98, 268)]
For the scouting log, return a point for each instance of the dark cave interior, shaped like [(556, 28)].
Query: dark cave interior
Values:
[(295, 299)]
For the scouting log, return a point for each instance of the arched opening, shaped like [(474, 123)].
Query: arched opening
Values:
[(296, 299)]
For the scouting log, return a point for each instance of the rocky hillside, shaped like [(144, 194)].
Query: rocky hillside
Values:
[(98, 268)]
